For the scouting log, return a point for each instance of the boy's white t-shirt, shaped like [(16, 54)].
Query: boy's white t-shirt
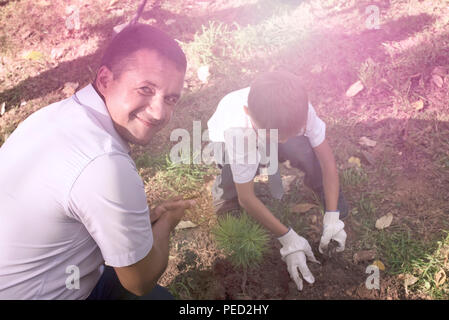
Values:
[(70, 199), (230, 121)]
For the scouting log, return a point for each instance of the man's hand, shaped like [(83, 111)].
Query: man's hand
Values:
[(333, 230), (174, 207), (295, 251)]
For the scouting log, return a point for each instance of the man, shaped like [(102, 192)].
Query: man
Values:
[(276, 103), (70, 195)]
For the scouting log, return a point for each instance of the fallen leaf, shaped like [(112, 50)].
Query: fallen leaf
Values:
[(368, 157), (287, 182), (302, 207), (185, 225), (410, 280), (418, 105), (384, 222), (354, 161), (379, 264), (203, 73), (437, 80), (367, 142), (316, 69), (120, 27), (170, 21), (440, 278), (56, 53), (439, 70), (112, 4), (364, 255), (354, 89), (26, 34), (44, 3), (3, 109), (69, 88), (33, 55)]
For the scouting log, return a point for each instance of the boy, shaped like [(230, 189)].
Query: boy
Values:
[(277, 103)]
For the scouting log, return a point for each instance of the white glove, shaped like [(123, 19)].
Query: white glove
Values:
[(333, 230), (295, 251)]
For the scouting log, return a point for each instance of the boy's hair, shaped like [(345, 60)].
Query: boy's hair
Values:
[(136, 37), (277, 100)]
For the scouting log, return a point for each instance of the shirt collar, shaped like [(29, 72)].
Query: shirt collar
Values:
[(89, 98)]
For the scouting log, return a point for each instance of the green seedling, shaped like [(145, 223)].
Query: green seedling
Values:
[(242, 240)]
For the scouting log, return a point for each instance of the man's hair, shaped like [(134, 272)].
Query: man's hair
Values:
[(136, 37), (277, 100)]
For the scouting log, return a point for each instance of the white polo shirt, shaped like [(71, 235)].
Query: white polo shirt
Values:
[(230, 121), (70, 199)]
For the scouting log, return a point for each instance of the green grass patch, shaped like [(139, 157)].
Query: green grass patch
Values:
[(403, 253), (353, 177)]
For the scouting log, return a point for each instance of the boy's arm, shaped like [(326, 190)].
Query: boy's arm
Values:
[(330, 175), (333, 227), (255, 208)]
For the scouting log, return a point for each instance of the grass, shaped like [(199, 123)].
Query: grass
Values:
[(179, 178), (353, 177), (404, 253)]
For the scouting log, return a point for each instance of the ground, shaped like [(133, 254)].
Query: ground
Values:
[(403, 66)]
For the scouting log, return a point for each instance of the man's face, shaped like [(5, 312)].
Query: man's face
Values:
[(141, 100)]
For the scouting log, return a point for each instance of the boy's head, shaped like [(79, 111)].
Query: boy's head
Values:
[(277, 100)]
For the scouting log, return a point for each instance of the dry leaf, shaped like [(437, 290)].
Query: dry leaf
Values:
[(354, 161), (418, 105), (408, 281), (437, 80), (367, 142), (439, 70), (287, 182), (203, 73), (69, 88), (44, 3), (33, 55), (185, 225), (354, 89), (384, 222), (56, 53), (302, 207), (364, 255), (440, 278), (379, 264), (316, 69), (368, 157)]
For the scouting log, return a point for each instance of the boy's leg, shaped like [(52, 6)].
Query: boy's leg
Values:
[(224, 193), (110, 288), (301, 156)]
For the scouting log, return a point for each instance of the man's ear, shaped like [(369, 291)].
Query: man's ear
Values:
[(103, 79)]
